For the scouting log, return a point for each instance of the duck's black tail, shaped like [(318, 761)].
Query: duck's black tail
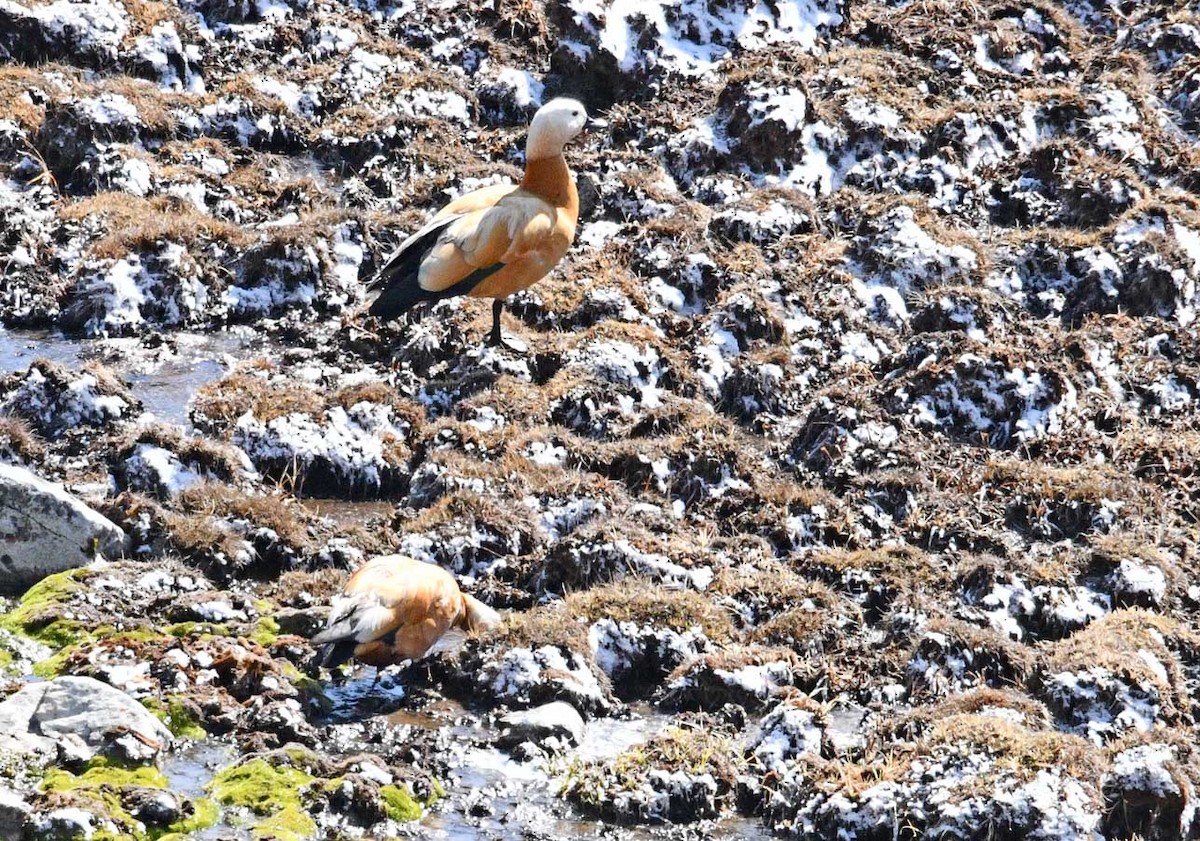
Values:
[(399, 298), (397, 282), (334, 654)]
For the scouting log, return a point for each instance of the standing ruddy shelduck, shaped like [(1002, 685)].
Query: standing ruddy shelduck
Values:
[(498, 240), (396, 608)]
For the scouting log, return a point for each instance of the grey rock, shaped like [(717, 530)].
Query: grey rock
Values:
[(155, 806), (302, 622), (557, 720), (13, 812), (42, 716), (47, 530), (65, 823)]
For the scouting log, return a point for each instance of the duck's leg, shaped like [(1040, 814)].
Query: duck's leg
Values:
[(495, 339)]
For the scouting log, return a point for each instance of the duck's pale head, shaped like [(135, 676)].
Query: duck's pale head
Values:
[(555, 124)]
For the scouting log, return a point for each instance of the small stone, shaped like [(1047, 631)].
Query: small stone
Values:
[(528, 751), (478, 804), (303, 623), (154, 806), (556, 720)]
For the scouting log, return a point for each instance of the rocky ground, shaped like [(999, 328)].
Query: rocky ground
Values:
[(847, 488)]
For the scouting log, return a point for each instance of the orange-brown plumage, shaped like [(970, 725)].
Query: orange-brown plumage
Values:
[(498, 240), (395, 608)]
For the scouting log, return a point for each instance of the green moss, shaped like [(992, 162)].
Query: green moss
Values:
[(205, 815), (101, 771), (291, 823), (131, 637), (437, 794), (178, 717), (269, 790), (259, 786), (54, 665), (36, 618), (301, 756), (399, 804), (109, 835), (198, 629), (101, 782), (182, 722), (266, 632)]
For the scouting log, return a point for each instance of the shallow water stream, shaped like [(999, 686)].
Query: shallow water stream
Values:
[(163, 376), (488, 795)]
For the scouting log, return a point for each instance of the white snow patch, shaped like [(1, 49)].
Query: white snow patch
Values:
[(98, 23), (163, 468), (527, 91), (692, 37)]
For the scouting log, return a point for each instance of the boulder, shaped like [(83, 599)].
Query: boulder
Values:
[(84, 713), (46, 530), (13, 811)]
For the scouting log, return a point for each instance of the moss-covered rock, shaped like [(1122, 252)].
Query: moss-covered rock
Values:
[(270, 791), (686, 774), (125, 802), (399, 804), (181, 718), (39, 614)]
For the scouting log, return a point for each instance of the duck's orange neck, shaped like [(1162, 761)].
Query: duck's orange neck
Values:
[(550, 179)]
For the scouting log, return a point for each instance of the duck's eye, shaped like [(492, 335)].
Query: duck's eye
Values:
[(574, 113)]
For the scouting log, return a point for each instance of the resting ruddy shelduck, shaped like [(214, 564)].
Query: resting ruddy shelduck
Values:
[(497, 240), (395, 608)]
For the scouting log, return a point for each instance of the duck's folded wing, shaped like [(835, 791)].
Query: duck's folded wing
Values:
[(361, 618), (475, 245), (480, 199), (405, 261)]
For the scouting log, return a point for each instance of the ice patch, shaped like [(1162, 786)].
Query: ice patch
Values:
[(109, 109)]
